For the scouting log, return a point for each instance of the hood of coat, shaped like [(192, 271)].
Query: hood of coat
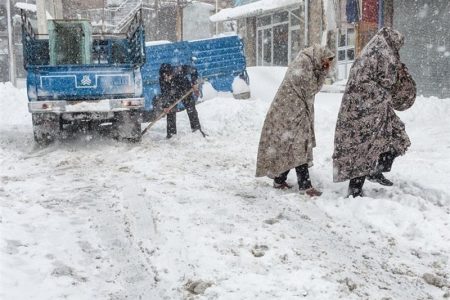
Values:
[(317, 53), (394, 38), (165, 69)]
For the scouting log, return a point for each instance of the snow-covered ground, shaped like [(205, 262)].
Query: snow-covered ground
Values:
[(91, 218)]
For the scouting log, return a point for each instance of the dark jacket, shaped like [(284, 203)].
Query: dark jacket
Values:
[(167, 96), (183, 78)]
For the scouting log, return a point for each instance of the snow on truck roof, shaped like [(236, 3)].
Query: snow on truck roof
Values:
[(251, 9)]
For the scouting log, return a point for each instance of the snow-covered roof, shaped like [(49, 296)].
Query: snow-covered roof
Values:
[(26, 6), (252, 9), (32, 8), (160, 42), (202, 4)]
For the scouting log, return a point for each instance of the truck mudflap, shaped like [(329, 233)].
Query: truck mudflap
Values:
[(105, 105)]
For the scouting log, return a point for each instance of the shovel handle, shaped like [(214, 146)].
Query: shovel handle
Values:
[(164, 113)]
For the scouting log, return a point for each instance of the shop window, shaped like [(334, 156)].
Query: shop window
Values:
[(259, 49), (279, 37), (3, 18), (296, 43), (267, 47), (345, 51), (281, 45), (264, 21), (281, 17), (296, 17)]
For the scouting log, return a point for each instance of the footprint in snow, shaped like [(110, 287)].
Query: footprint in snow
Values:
[(259, 250)]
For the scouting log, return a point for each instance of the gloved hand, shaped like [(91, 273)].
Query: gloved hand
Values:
[(196, 91)]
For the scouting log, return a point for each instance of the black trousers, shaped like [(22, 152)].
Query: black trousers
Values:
[(303, 179), (385, 162), (189, 104)]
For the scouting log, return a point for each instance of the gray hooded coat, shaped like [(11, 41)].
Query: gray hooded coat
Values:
[(287, 136), (367, 124)]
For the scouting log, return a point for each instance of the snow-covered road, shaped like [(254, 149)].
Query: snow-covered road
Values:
[(90, 218)]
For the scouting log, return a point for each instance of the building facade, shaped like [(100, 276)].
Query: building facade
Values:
[(4, 45), (275, 31)]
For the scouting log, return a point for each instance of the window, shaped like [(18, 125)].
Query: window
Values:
[(264, 21), (345, 51), (296, 17), (296, 43), (259, 49), (267, 47), (351, 54), (350, 36), (341, 55), (281, 45), (279, 37), (281, 17), (3, 18)]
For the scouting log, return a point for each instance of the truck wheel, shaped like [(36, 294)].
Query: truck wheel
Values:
[(46, 127), (127, 126)]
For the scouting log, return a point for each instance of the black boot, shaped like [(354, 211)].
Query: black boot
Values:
[(355, 187), (280, 183), (379, 178), (171, 124), (304, 182)]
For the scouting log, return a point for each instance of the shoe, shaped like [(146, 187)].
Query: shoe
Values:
[(379, 178), (355, 193), (311, 192), (282, 186)]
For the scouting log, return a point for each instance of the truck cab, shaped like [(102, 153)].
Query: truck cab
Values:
[(75, 76)]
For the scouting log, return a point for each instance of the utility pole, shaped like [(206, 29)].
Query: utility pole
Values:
[(12, 61), (57, 9), (41, 17), (217, 23), (179, 22), (156, 21)]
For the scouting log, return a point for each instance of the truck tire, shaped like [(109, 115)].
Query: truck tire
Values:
[(127, 126), (46, 127)]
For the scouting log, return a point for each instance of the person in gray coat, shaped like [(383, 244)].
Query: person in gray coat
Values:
[(369, 135), (287, 137)]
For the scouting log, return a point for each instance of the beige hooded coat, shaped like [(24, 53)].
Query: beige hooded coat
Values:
[(287, 136), (367, 124)]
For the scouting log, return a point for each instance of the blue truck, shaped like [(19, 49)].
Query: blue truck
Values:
[(74, 76)]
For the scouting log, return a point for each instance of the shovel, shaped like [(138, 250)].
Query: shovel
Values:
[(169, 109)]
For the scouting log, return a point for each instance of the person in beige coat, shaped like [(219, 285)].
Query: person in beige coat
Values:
[(287, 137)]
